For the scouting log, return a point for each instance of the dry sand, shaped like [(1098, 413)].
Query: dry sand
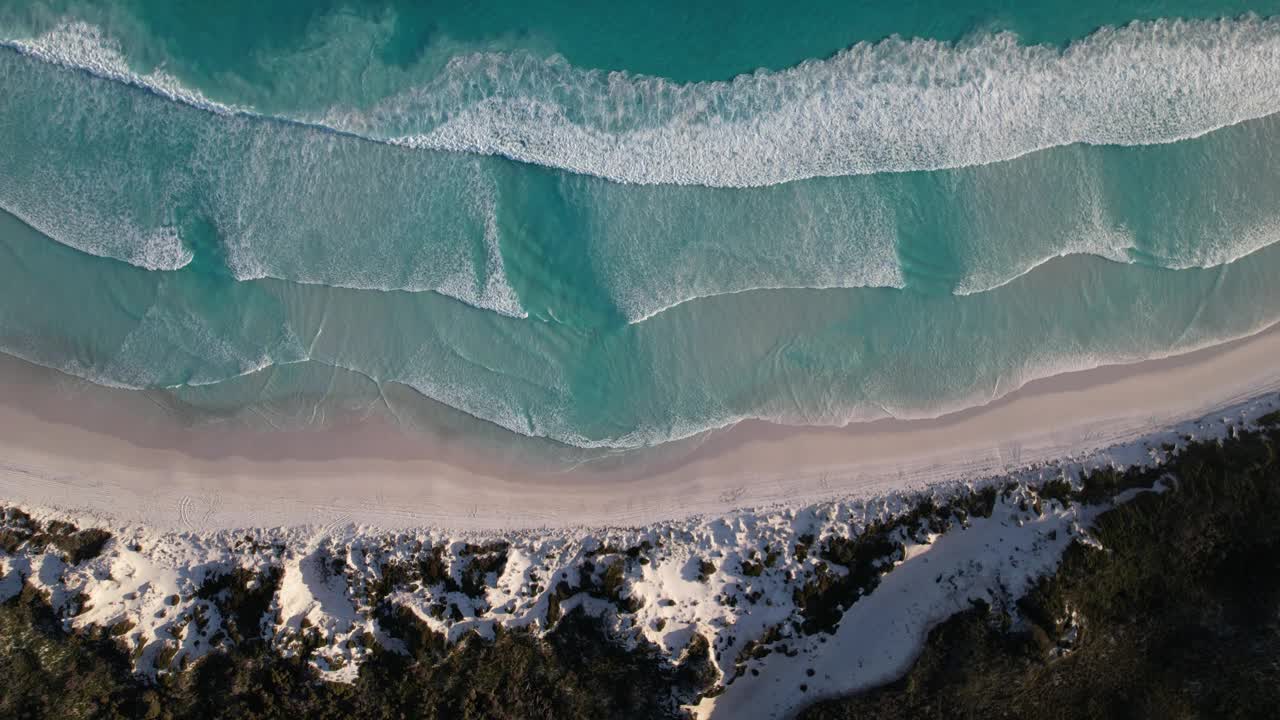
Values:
[(68, 445)]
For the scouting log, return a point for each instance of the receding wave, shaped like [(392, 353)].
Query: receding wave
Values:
[(145, 178), (125, 174), (507, 414), (895, 105), (802, 357), (86, 47)]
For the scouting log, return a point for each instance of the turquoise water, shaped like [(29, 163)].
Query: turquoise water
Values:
[(586, 224)]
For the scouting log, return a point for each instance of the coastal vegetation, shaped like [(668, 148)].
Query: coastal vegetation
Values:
[(1177, 615), (574, 671), (76, 546), (1173, 612)]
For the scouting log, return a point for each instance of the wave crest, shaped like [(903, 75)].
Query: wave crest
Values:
[(896, 105), (893, 106), (142, 178)]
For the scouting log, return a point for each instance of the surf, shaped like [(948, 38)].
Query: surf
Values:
[(896, 105), (800, 357), (118, 172)]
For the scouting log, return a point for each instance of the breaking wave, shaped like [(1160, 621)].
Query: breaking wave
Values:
[(895, 105)]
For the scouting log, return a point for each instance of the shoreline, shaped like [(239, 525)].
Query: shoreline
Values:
[(69, 445), (149, 582)]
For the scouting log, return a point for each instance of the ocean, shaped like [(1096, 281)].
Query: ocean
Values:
[(610, 227)]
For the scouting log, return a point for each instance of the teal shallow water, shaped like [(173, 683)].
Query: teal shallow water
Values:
[(302, 207)]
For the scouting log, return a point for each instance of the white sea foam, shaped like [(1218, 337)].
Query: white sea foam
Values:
[(423, 238), (895, 105), (491, 289), (504, 412), (85, 229), (278, 202), (530, 398), (86, 47), (128, 175), (656, 253), (183, 348)]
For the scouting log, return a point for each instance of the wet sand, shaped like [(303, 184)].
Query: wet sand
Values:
[(71, 445)]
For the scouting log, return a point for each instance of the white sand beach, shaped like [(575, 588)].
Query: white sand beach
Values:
[(79, 448)]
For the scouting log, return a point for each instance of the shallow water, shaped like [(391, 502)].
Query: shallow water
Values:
[(582, 228)]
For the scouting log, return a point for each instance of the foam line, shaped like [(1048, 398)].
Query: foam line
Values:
[(892, 106)]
